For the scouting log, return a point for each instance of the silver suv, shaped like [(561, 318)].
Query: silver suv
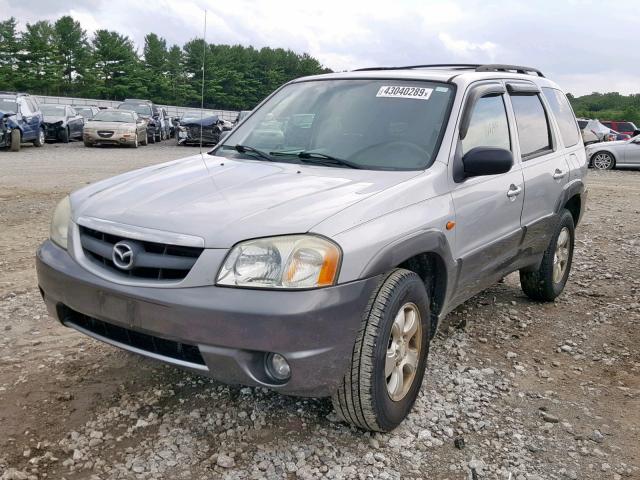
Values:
[(314, 250)]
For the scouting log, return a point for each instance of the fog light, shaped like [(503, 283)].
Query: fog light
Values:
[(278, 367)]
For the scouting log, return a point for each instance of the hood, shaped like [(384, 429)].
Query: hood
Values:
[(53, 119), (225, 201), (109, 125), (205, 122)]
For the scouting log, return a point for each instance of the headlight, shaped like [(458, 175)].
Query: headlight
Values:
[(60, 222), (291, 261)]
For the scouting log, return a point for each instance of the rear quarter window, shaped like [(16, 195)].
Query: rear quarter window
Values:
[(564, 116)]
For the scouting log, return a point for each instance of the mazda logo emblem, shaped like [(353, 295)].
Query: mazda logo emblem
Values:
[(123, 256)]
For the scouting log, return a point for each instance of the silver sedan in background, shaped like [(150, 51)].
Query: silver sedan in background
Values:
[(608, 155)]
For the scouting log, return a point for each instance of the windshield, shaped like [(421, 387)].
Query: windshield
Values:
[(8, 105), (374, 124), (113, 116), (139, 108), (86, 112), (52, 110)]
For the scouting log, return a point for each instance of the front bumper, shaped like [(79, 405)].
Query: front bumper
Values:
[(233, 329)]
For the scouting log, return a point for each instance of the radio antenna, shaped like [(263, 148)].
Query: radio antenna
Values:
[(204, 54)]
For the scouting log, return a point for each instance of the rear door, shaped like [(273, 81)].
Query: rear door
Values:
[(631, 152), (488, 208), (544, 165), (29, 121)]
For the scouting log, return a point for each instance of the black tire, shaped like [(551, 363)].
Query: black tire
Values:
[(151, 139), (88, 144), (16, 139), (363, 398), (65, 135), (608, 160), (539, 285), (144, 141), (39, 141), (158, 137)]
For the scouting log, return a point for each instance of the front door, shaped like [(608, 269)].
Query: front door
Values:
[(488, 208)]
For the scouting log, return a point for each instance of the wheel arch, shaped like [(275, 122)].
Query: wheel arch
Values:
[(603, 150), (426, 253), (573, 198)]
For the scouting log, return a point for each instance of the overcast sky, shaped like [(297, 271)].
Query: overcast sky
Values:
[(584, 45)]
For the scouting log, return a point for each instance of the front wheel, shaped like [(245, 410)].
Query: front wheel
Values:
[(65, 136), (389, 357), (603, 161), (549, 280), (15, 140), (38, 142)]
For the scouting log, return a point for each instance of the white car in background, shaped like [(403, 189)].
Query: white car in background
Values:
[(621, 153)]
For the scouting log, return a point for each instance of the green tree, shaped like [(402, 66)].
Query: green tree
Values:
[(38, 63), (72, 47), (116, 65), (9, 47)]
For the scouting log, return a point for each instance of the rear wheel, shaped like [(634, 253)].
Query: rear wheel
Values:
[(15, 140), (38, 142), (603, 161), (389, 356), (145, 140), (151, 139), (546, 283)]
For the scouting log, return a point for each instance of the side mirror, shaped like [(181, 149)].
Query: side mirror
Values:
[(480, 161)]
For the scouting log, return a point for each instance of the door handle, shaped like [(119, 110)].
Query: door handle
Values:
[(514, 191), (558, 174)]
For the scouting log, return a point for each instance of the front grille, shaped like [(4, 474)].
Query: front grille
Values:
[(142, 341), (153, 261), (105, 133)]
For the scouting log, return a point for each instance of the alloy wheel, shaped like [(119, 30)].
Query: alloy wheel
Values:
[(561, 256), (603, 161), (403, 352)]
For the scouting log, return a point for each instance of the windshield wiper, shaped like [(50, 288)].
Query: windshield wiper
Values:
[(247, 149), (319, 158)]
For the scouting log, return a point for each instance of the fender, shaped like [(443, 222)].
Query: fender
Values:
[(418, 242), (572, 188)]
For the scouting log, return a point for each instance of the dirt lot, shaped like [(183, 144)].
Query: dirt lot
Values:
[(534, 391)]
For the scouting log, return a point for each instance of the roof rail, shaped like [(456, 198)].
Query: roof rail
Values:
[(498, 67), (431, 65), (493, 67)]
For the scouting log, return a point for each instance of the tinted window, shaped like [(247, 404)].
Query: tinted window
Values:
[(582, 124), (139, 108), (564, 116), (488, 126), (533, 129), (625, 127)]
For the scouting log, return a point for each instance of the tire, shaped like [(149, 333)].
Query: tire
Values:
[(144, 141), (15, 140), (546, 283), (88, 144), (38, 142), (158, 137), (65, 135), (603, 161), (364, 397), (135, 143), (151, 139)]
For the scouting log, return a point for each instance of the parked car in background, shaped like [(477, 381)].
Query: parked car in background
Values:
[(318, 260), (208, 129), (621, 153), (588, 136), (115, 127), (242, 114), (87, 111), (623, 126), (144, 109), (23, 120), (614, 136), (173, 124), (62, 123)]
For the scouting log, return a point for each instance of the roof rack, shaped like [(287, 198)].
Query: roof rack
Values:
[(492, 67)]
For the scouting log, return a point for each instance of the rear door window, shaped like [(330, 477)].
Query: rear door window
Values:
[(534, 134), (564, 116)]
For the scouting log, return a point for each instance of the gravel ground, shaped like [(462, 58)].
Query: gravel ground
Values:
[(514, 389)]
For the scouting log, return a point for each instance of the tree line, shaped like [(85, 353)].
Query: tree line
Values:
[(608, 106), (59, 58)]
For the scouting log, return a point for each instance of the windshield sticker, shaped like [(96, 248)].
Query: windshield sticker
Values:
[(442, 89), (416, 93)]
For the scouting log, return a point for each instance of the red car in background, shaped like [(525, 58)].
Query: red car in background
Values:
[(621, 127)]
